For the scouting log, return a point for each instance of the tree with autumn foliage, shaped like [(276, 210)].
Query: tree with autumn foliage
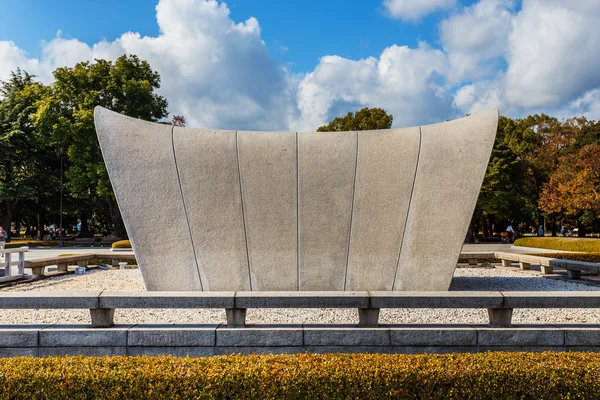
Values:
[(574, 188)]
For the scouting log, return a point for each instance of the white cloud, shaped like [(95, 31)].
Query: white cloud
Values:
[(12, 57), (412, 10), (476, 37), (403, 81), (217, 72), (553, 53), (588, 105)]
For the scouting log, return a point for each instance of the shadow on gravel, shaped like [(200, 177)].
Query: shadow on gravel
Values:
[(509, 284)]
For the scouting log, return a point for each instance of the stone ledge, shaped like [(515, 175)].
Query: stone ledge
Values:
[(207, 340)]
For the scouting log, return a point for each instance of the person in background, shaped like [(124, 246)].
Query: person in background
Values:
[(541, 231), (511, 233), (3, 237)]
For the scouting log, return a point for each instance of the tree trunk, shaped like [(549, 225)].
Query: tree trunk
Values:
[(85, 228), (18, 227), (40, 226), (7, 220), (117, 220), (486, 227), (580, 229), (553, 222)]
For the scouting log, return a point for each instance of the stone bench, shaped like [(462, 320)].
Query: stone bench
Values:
[(102, 304), (475, 258), (108, 241), (38, 266), (547, 264), (83, 241), (6, 272)]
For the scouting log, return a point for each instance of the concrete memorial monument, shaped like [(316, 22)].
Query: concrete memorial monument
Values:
[(217, 210)]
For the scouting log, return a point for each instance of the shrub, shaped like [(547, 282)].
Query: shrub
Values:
[(558, 243), (122, 244), (587, 257), (305, 376)]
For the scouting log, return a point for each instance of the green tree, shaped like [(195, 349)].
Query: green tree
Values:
[(504, 197), (22, 151), (365, 119), (126, 86)]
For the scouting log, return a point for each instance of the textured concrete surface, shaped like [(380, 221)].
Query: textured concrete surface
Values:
[(387, 160), (208, 170), (451, 166), (370, 210), (208, 340), (268, 179), (141, 166), (326, 174)]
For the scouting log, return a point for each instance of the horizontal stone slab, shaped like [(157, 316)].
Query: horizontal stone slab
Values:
[(520, 336), (42, 262), (246, 350), (327, 335), (184, 299), (19, 351), (171, 351), (20, 335), (172, 335), (302, 299), (551, 299), (432, 349), (582, 335), (430, 336), (81, 351), (81, 335), (436, 299), (207, 340), (43, 300), (262, 336)]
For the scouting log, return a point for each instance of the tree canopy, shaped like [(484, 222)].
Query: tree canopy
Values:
[(363, 120), (44, 126)]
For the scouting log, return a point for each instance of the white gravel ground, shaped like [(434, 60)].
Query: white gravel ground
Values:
[(464, 279)]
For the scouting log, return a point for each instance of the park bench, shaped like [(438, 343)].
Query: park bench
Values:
[(5, 266), (83, 241), (102, 304), (547, 264), (108, 241), (38, 266), (475, 258)]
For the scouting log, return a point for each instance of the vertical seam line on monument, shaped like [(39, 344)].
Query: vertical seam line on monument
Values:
[(237, 157), (351, 211), (297, 216), (185, 212), (412, 191)]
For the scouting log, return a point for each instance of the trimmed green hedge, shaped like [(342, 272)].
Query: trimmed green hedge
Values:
[(345, 376), (587, 257), (122, 244), (561, 243)]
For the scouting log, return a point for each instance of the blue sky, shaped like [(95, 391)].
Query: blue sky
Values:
[(295, 32), (258, 64)]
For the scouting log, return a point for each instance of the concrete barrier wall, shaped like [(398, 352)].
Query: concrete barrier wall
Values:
[(231, 210), (208, 340)]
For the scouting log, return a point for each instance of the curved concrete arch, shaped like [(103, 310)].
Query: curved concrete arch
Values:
[(141, 166), (234, 210)]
